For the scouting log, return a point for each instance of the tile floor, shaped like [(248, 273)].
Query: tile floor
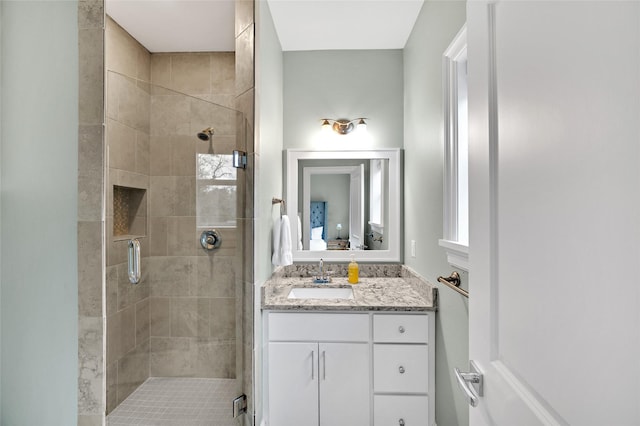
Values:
[(168, 401)]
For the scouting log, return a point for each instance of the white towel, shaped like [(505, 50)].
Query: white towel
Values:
[(286, 257), (299, 233), (275, 259)]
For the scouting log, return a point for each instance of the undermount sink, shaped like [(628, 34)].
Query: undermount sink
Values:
[(321, 293)]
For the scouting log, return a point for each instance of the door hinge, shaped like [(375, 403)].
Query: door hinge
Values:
[(239, 405)]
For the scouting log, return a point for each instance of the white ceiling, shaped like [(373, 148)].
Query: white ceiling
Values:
[(208, 25)]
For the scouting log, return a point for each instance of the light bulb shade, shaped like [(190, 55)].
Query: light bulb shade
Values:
[(361, 126), (339, 227)]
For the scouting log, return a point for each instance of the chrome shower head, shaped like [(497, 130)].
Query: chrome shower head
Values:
[(206, 134)]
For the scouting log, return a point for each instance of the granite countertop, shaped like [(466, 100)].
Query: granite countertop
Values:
[(380, 288)]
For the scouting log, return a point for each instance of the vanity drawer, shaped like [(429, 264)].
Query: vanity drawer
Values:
[(400, 368), (396, 410), (318, 327), (394, 328)]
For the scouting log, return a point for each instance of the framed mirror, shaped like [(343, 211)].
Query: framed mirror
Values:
[(341, 203)]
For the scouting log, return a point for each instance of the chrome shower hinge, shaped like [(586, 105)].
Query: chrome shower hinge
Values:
[(239, 159), (239, 405)]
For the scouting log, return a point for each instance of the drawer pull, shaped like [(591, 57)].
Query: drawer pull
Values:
[(401, 330), (401, 370), (401, 422)]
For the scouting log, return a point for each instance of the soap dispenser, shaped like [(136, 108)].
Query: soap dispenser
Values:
[(353, 271)]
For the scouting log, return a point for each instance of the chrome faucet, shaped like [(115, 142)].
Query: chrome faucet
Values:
[(322, 278)]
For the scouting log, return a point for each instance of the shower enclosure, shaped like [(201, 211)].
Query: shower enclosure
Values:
[(186, 325)]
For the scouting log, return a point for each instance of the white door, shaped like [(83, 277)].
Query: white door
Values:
[(344, 384), (554, 118), (293, 384), (356, 208)]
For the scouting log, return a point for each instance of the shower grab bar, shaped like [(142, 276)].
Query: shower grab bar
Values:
[(453, 282), (134, 261)]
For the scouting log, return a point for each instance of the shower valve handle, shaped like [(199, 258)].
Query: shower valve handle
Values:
[(210, 239)]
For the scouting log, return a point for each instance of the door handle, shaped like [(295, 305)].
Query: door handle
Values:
[(470, 383)]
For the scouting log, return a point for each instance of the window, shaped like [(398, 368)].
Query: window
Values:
[(456, 177), (216, 191)]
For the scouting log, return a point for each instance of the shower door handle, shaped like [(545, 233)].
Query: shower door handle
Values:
[(134, 261)]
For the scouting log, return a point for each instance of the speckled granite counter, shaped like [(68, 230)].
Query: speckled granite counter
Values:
[(381, 288)]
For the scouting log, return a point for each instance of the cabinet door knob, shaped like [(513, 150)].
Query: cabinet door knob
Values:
[(401, 422), (401, 370), (401, 329)]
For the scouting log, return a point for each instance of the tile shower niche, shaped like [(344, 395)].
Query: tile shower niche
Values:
[(129, 212)]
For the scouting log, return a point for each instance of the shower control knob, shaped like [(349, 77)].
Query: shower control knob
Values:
[(210, 239)]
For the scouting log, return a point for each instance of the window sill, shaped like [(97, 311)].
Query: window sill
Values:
[(457, 254)]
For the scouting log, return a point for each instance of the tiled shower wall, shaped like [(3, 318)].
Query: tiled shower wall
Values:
[(92, 206), (127, 139), (193, 291)]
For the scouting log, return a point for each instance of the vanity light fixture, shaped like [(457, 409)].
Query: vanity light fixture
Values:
[(344, 126)]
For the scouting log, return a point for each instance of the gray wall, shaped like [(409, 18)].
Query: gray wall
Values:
[(268, 177), (39, 284), (436, 26), (343, 84)]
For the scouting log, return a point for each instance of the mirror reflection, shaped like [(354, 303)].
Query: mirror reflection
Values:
[(346, 202)]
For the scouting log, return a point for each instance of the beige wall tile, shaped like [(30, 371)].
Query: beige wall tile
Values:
[(127, 329), (133, 370), (180, 241), (185, 201), (158, 236), (162, 196), (91, 78), (203, 317), (144, 64), (90, 195), (128, 178), (111, 283), (90, 420), (214, 358), (161, 69), (90, 371), (160, 155), (244, 60), (159, 317), (190, 73), (170, 115), (90, 269), (134, 104), (223, 73), (142, 321), (121, 141), (90, 148), (172, 276), (112, 384), (205, 114), (143, 146), (120, 49), (90, 14), (184, 318), (170, 357), (114, 350), (183, 154), (223, 319), (216, 276)]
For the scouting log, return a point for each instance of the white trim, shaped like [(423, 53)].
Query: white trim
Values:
[(457, 254), (394, 253)]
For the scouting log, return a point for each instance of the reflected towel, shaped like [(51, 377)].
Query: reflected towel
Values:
[(286, 257), (299, 233), (275, 259)]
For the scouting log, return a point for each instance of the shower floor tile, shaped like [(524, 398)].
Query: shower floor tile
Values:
[(168, 401)]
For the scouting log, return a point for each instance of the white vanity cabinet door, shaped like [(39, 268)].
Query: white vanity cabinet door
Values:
[(293, 384), (400, 368), (344, 384), (396, 410)]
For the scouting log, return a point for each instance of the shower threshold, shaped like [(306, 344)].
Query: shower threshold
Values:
[(173, 401)]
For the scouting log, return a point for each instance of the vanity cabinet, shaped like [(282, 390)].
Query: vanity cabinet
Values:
[(402, 370), (319, 369), (362, 369)]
